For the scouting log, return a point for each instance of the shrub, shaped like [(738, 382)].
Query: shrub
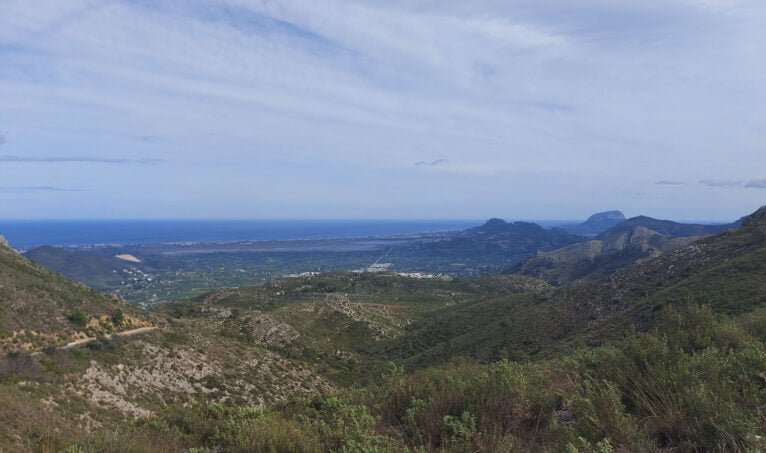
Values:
[(78, 318)]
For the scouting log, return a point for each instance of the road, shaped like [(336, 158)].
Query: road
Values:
[(126, 333)]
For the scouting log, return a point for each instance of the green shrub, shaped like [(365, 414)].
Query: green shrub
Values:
[(692, 384), (78, 318)]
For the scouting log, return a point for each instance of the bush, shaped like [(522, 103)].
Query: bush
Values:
[(692, 384), (78, 318)]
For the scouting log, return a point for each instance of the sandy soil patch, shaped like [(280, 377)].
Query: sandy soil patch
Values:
[(127, 257)]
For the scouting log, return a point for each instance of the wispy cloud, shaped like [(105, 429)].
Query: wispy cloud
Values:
[(670, 183), (721, 182), (26, 189), (2, 138), (97, 160), (748, 184), (432, 163), (756, 184), (516, 89)]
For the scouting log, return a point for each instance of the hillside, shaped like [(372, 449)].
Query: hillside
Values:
[(39, 308), (670, 228), (96, 271), (87, 360), (630, 363), (303, 363), (627, 243), (599, 258), (722, 271), (260, 345)]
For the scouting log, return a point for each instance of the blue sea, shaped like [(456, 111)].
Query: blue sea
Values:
[(26, 234)]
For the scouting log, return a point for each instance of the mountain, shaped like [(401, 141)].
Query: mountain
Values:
[(723, 271), (672, 229), (621, 362), (665, 355), (73, 359), (77, 355), (481, 250), (596, 223), (498, 237), (627, 243), (98, 272), (598, 258)]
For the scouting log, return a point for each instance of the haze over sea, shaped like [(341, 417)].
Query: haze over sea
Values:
[(26, 234)]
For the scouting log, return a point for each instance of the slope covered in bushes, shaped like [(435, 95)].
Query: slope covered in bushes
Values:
[(695, 383)]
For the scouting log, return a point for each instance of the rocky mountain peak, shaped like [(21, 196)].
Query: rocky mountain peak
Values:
[(494, 222), (608, 216)]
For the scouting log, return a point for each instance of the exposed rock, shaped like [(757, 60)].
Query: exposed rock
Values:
[(268, 330)]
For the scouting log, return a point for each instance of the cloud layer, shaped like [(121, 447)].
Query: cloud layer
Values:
[(298, 108), (99, 160), (432, 163), (29, 189)]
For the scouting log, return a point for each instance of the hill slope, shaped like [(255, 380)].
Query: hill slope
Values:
[(670, 228), (724, 271), (672, 377), (599, 258), (39, 308), (627, 243), (96, 271)]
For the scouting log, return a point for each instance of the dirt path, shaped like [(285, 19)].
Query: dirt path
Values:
[(126, 333)]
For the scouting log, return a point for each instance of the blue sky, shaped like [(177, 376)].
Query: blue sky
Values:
[(370, 109)]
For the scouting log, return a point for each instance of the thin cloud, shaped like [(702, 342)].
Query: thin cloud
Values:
[(97, 160), (27, 189), (432, 163), (756, 184), (670, 183), (2, 139), (498, 88), (721, 183)]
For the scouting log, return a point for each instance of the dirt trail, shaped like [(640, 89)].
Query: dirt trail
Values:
[(126, 333)]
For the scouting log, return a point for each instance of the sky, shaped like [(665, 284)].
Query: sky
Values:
[(416, 109)]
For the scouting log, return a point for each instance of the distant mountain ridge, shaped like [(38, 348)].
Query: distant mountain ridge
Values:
[(597, 223), (497, 241), (627, 243), (671, 228), (722, 271)]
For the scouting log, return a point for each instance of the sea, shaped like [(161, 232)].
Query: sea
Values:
[(27, 234)]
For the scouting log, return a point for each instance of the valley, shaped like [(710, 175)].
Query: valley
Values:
[(295, 359), (356, 226)]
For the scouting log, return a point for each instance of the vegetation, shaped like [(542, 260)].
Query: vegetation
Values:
[(40, 309), (691, 385), (664, 355)]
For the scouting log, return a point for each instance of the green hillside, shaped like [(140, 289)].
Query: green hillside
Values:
[(41, 309), (623, 244), (599, 258), (721, 271), (96, 271), (664, 355)]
